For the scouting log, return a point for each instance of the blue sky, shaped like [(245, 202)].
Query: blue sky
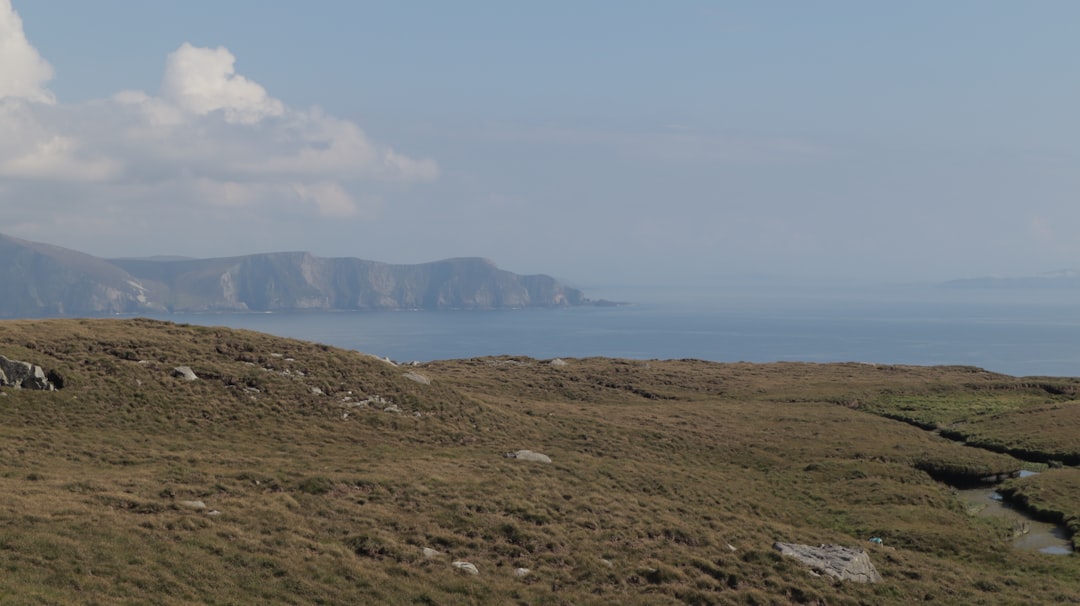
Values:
[(628, 143)]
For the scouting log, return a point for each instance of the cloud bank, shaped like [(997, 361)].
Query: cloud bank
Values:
[(208, 138)]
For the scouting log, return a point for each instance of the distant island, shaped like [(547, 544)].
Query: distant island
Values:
[(42, 280), (1065, 278)]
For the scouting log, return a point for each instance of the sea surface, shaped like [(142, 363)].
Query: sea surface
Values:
[(1021, 332)]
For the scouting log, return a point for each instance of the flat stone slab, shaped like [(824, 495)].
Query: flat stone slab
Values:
[(844, 563)]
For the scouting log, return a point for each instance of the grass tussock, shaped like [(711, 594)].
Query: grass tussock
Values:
[(292, 472)]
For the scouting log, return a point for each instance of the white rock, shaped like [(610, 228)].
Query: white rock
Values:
[(419, 378), (528, 455), (185, 373), (430, 553), (466, 567), (193, 504), (558, 362), (521, 572)]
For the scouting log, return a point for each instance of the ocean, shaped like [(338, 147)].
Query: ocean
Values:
[(1020, 332)]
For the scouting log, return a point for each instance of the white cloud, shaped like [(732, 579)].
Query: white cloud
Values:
[(204, 80), (23, 73), (329, 198), (209, 138)]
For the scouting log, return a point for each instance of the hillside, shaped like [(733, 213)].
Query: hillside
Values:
[(45, 280), (291, 472)]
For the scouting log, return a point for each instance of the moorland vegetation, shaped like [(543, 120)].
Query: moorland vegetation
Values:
[(291, 472)]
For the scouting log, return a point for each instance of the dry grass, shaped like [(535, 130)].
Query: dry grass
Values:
[(670, 479)]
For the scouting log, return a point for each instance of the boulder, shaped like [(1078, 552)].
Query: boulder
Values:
[(844, 563), (185, 373), (430, 553), (419, 378), (528, 455), (466, 567), (23, 375)]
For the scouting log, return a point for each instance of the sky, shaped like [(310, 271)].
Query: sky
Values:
[(630, 143)]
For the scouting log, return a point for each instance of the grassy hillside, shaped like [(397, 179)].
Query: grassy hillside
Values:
[(295, 473)]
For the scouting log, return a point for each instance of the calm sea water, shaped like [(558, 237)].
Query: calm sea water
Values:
[(1018, 333)]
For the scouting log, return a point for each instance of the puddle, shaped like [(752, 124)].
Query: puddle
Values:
[(1030, 534)]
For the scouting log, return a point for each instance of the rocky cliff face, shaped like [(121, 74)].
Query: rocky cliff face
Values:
[(296, 281), (44, 280)]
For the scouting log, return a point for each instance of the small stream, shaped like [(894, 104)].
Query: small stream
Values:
[(1030, 534)]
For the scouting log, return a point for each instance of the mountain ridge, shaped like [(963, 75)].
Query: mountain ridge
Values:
[(47, 280), (1063, 278)]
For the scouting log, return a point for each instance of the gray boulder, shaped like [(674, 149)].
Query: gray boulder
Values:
[(466, 567), (528, 455), (23, 375), (185, 373), (419, 378), (844, 563)]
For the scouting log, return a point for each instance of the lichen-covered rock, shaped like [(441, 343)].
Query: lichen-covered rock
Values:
[(844, 563)]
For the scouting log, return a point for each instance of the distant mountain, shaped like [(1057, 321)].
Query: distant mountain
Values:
[(1065, 278), (44, 280)]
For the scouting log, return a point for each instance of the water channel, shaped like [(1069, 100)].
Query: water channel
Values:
[(1031, 534)]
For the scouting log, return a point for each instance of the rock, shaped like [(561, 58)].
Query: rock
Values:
[(558, 362), (466, 567), (193, 505), (844, 563), (23, 375), (430, 553), (521, 572), (419, 378), (315, 391), (185, 373), (393, 408), (528, 455)]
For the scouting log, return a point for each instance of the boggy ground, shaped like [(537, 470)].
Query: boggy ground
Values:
[(323, 474)]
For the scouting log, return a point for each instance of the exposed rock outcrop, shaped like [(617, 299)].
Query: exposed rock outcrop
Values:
[(23, 375), (844, 563)]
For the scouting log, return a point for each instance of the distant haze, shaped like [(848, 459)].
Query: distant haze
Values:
[(603, 143)]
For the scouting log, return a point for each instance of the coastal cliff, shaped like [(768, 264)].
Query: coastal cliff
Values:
[(45, 280)]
